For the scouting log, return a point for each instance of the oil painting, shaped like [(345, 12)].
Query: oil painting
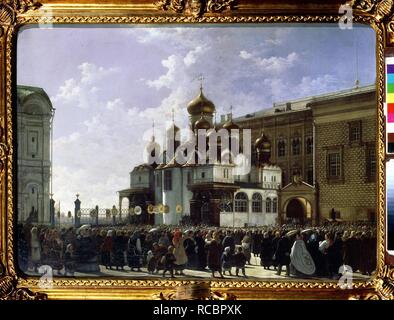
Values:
[(197, 152)]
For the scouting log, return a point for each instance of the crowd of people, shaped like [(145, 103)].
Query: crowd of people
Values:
[(164, 250)]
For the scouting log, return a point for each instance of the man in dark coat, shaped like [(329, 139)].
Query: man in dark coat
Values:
[(214, 254), (190, 249), (266, 252), (282, 254), (229, 241), (200, 250), (275, 241)]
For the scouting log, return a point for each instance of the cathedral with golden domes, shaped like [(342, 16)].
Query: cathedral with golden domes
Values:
[(304, 165)]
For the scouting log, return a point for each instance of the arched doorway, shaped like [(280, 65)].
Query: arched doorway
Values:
[(205, 214), (296, 211)]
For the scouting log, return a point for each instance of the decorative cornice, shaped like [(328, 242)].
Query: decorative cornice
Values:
[(196, 8)]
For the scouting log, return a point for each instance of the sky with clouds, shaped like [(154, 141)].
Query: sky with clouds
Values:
[(109, 84)]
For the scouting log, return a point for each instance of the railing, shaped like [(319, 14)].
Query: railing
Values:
[(103, 216)]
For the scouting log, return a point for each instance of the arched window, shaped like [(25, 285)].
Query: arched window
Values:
[(281, 148), (257, 202), (274, 205), (241, 202), (268, 205), (296, 145), (309, 145), (225, 203)]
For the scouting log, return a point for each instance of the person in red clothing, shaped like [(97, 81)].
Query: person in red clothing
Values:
[(106, 250)]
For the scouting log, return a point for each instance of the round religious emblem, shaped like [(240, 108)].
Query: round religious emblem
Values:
[(137, 210)]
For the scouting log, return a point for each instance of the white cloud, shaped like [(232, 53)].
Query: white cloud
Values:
[(272, 64), (192, 56)]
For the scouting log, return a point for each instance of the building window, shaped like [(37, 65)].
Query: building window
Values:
[(371, 163), (139, 178), (257, 202), (167, 180), (189, 178), (241, 202), (274, 205), (309, 175), (268, 205), (309, 145), (202, 175), (296, 146), (284, 178), (158, 181), (355, 132), (334, 165), (226, 203), (281, 148)]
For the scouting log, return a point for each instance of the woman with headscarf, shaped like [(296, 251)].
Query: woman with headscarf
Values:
[(227, 260), (35, 249), (246, 244), (134, 252), (214, 252), (179, 252), (55, 251)]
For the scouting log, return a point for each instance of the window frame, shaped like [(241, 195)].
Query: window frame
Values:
[(240, 203), (257, 204)]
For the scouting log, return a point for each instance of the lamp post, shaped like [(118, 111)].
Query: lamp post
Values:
[(77, 211), (114, 212)]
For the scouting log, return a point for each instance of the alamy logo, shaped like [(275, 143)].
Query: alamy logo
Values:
[(346, 280), (46, 280), (346, 20)]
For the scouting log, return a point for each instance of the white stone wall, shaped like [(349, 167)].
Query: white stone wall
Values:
[(173, 197), (187, 195), (139, 178), (34, 162), (240, 219)]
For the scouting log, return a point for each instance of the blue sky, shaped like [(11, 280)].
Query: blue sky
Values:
[(108, 84)]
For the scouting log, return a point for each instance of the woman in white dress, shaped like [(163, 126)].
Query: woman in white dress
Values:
[(35, 249), (301, 260)]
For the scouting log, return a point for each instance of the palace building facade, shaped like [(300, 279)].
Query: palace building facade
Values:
[(313, 159)]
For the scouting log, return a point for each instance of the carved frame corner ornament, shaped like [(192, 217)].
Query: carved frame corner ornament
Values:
[(10, 8), (381, 11), (196, 8), (9, 289)]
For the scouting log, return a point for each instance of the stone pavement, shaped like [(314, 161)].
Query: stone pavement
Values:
[(253, 272)]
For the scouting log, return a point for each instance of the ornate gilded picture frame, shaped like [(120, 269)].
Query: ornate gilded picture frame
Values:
[(17, 15)]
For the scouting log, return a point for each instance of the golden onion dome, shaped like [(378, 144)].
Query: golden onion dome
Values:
[(230, 125), (200, 105), (202, 123), (262, 142)]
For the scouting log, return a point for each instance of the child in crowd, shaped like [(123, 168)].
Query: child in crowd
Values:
[(240, 261), (69, 264), (169, 261), (226, 260)]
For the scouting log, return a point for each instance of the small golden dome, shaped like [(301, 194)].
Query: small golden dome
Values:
[(202, 123), (200, 105), (230, 125), (262, 142)]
